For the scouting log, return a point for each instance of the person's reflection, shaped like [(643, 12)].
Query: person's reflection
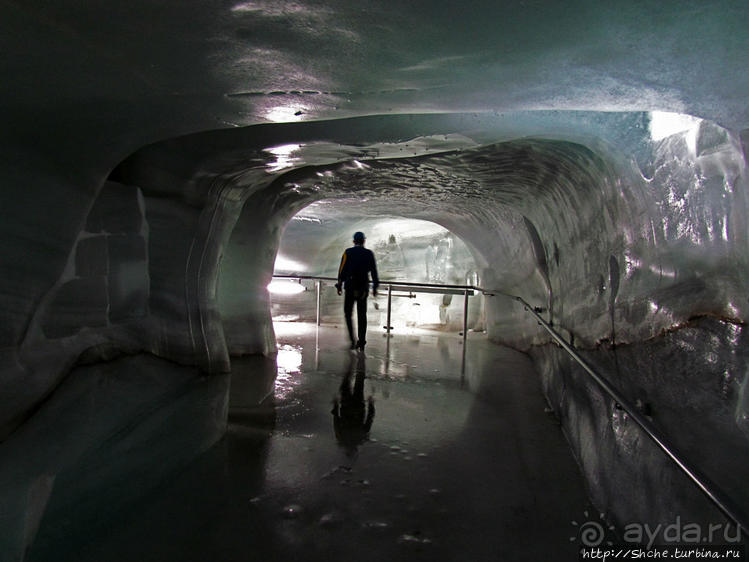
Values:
[(352, 418)]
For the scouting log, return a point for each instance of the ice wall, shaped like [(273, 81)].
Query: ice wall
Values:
[(112, 432), (690, 382), (247, 268)]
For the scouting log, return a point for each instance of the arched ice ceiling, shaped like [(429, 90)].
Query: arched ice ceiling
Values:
[(140, 71)]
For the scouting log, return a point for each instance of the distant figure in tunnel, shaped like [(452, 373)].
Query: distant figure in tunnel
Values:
[(357, 263), (352, 419)]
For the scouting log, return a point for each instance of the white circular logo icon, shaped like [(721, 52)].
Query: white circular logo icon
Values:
[(590, 533)]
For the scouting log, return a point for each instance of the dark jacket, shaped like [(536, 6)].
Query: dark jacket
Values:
[(356, 265)]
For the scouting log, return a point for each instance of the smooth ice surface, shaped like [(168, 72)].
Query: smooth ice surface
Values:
[(109, 435), (690, 384), (454, 467)]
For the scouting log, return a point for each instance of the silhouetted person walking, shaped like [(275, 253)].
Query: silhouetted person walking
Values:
[(352, 419), (353, 274)]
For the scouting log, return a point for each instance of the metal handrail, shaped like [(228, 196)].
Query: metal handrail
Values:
[(702, 481), (467, 291), (385, 282)]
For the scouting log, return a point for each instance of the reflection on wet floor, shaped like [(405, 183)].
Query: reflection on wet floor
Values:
[(352, 416), (452, 466)]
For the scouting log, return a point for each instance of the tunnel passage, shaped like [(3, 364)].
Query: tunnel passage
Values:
[(611, 192), (614, 234), (598, 232), (406, 250), (503, 198), (435, 188)]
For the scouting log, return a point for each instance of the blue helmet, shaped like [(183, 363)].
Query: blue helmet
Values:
[(359, 237)]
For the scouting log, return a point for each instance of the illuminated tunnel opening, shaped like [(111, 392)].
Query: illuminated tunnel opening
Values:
[(406, 250)]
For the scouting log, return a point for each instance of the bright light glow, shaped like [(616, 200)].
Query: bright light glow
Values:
[(664, 124), (631, 264), (662, 272), (733, 311), (286, 265), (428, 311), (246, 7), (411, 228), (301, 218), (264, 7), (734, 330), (284, 156), (289, 359), (273, 9), (289, 363), (284, 114), (285, 287)]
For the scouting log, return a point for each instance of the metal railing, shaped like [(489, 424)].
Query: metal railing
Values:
[(719, 498), (702, 481), (398, 286)]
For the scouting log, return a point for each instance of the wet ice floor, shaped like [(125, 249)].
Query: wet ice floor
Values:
[(457, 465)]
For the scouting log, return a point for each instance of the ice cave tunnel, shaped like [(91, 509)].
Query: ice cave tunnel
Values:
[(161, 160)]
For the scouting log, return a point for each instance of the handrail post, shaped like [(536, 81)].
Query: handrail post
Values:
[(388, 327), (318, 288), (465, 317)]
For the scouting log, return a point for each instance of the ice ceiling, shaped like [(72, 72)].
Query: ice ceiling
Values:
[(233, 63)]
